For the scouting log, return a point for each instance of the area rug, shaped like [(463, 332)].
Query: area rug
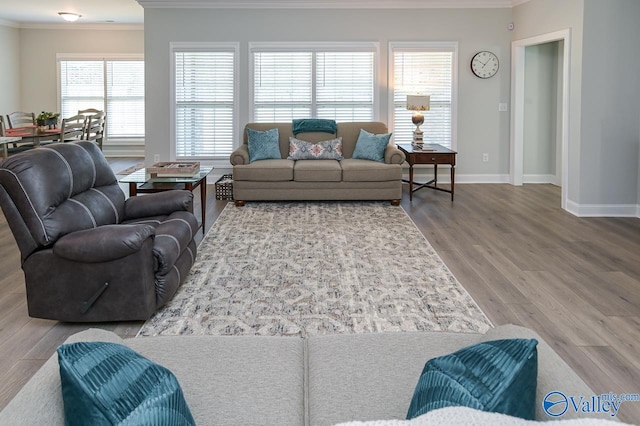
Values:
[(297, 269)]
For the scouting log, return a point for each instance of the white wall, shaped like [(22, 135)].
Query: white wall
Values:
[(10, 70), (481, 128), (39, 88), (538, 17), (610, 104), (541, 112)]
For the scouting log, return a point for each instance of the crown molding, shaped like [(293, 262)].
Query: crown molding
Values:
[(328, 4), (84, 27), (6, 23)]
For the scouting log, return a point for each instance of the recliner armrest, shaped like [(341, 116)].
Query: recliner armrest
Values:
[(393, 155), (158, 204), (240, 156), (104, 243)]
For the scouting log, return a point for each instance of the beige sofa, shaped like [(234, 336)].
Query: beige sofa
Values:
[(273, 380), (348, 179)]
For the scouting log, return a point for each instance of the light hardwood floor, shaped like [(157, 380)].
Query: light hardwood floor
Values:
[(576, 281)]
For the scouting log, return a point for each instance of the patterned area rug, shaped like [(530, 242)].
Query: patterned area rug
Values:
[(297, 269)]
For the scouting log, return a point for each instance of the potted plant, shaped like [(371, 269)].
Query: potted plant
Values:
[(49, 119)]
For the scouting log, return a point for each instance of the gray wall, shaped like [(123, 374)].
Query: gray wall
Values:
[(481, 128), (541, 111), (610, 103), (10, 70)]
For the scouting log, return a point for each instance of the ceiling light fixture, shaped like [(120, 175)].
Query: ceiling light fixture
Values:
[(70, 16)]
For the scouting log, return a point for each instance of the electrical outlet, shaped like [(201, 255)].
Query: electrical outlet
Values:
[(502, 107), (156, 158), (485, 158)]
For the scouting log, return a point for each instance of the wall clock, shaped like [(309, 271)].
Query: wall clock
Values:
[(485, 64)]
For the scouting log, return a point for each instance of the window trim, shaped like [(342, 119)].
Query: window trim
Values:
[(421, 46), (174, 47), (314, 47), (99, 57)]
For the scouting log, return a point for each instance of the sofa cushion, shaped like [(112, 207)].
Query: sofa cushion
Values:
[(263, 145), (324, 150), (497, 376), (265, 171), (107, 383), (317, 171), (370, 146), (355, 170)]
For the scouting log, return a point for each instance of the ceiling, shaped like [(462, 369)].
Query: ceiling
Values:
[(34, 13)]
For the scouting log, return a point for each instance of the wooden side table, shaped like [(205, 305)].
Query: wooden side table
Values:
[(430, 154)]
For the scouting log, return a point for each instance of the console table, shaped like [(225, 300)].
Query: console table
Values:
[(429, 154)]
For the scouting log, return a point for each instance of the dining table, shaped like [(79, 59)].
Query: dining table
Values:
[(34, 134)]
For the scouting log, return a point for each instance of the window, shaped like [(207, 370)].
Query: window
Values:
[(427, 69), (204, 100), (332, 81), (114, 85)]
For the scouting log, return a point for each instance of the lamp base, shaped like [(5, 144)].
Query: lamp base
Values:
[(417, 137)]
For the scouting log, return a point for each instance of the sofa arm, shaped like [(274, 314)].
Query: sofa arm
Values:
[(104, 243), (240, 156), (393, 155), (158, 203)]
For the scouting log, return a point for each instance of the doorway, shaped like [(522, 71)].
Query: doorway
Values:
[(539, 153)]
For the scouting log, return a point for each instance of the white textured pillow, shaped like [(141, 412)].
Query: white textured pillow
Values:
[(465, 416)]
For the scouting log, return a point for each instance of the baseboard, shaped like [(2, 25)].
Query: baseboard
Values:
[(539, 179), (603, 210)]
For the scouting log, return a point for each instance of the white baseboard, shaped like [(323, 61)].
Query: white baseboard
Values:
[(539, 179), (603, 210)]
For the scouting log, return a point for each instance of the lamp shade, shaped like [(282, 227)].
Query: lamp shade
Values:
[(418, 102)]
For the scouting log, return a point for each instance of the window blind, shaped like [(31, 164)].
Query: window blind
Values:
[(427, 72), (114, 86), (204, 103), (304, 83)]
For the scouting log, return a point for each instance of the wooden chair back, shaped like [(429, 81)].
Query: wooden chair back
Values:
[(73, 128), (21, 119)]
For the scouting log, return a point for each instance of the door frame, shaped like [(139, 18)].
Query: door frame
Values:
[(517, 111)]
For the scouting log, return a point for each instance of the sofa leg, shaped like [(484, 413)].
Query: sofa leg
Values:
[(395, 202), (239, 203)]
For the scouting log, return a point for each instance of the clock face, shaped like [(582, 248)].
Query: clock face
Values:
[(485, 64)]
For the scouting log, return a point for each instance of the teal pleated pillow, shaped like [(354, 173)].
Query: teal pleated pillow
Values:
[(110, 384), (499, 376)]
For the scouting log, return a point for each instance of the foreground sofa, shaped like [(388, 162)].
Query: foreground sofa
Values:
[(87, 253), (348, 179), (321, 380)]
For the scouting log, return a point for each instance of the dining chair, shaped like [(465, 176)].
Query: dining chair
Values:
[(21, 119), (73, 128), (94, 127)]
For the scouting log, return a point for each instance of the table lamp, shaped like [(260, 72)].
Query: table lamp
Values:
[(418, 103)]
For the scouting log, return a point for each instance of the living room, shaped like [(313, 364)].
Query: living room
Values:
[(603, 113)]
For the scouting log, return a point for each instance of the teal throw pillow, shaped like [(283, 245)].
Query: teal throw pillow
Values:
[(263, 145), (499, 376), (110, 384), (370, 146)]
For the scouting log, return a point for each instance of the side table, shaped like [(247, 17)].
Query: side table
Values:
[(430, 154), (141, 182)]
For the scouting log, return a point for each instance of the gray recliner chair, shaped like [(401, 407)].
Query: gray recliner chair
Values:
[(87, 253)]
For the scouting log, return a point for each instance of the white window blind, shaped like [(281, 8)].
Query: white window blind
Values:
[(204, 103), (425, 71), (313, 82), (115, 86)]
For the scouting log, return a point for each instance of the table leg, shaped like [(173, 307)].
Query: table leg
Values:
[(410, 182), (203, 201), (453, 171), (435, 175), (133, 189), (5, 151)]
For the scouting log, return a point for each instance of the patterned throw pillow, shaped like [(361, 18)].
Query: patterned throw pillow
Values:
[(499, 376), (263, 145), (370, 146), (110, 384), (325, 150)]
